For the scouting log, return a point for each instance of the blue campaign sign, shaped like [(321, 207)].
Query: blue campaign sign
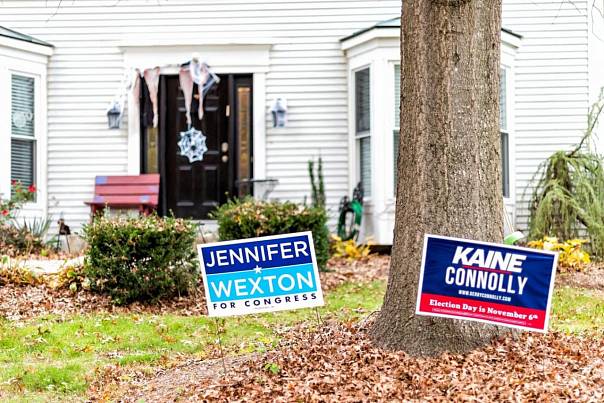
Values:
[(258, 275), (486, 282)]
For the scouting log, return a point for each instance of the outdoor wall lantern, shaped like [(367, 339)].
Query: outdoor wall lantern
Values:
[(114, 115), (279, 112)]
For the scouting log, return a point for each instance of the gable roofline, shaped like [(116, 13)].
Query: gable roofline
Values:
[(9, 33), (396, 23)]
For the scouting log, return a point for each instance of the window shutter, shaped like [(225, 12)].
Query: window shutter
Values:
[(397, 95), (502, 100), (505, 164), (365, 164), (397, 120), (362, 100), (22, 161), (22, 129)]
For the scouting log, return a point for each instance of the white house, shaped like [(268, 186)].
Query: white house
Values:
[(334, 62)]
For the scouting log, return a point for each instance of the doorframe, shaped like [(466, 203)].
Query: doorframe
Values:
[(237, 57)]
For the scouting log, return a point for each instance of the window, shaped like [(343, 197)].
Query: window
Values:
[(23, 139), (397, 121), (504, 133), (363, 126)]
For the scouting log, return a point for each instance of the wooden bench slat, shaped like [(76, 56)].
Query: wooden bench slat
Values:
[(133, 200), (126, 189), (144, 179)]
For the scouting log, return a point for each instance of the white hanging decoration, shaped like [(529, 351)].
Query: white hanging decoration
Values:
[(22, 118), (192, 145)]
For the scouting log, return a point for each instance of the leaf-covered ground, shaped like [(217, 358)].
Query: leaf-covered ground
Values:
[(339, 363), (19, 303), (54, 343), (60, 346)]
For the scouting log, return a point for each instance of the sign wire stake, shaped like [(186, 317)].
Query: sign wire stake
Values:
[(217, 322), (319, 321)]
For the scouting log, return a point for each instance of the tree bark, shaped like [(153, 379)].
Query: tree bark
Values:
[(449, 160)]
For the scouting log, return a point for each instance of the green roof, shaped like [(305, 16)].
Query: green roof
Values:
[(396, 23), (9, 33)]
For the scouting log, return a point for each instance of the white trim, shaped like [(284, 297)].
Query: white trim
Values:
[(356, 172), (25, 46), (240, 58), (224, 59), (259, 135), (134, 134), (371, 35), (508, 55), (205, 41), (29, 66), (510, 40), (5, 131), (379, 49)]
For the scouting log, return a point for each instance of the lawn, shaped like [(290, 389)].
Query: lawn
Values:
[(50, 358)]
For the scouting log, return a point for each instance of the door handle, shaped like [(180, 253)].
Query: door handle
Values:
[(224, 147), (225, 158)]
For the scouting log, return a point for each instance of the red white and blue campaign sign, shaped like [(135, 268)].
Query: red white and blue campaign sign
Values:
[(258, 275), (486, 282)]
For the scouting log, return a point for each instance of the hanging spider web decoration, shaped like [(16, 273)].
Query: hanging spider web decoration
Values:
[(192, 145)]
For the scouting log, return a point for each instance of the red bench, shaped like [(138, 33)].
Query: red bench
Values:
[(125, 192)]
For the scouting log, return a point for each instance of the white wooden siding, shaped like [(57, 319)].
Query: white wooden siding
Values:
[(552, 84), (307, 67)]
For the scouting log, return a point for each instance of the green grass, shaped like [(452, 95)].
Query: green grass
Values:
[(51, 358), (54, 359), (578, 311)]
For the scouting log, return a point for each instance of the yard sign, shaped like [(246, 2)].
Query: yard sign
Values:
[(486, 282), (258, 275)]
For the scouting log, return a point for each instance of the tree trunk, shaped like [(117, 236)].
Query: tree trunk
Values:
[(449, 160)]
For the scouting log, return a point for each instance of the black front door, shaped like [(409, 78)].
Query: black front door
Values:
[(194, 189)]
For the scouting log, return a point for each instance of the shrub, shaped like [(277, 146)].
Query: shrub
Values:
[(140, 258), (248, 218), (570, 256)]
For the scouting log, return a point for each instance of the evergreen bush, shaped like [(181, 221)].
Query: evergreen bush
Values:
[(248, 218), (141, 258)]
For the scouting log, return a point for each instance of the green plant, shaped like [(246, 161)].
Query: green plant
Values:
[(317, 186), (37, 227), (17, 275), (140, 258), (18, 241), (19, 196), (73, 277), (567, 198), (349, 249), (248, 218), (273, 368), (29, 236), (571, 256)]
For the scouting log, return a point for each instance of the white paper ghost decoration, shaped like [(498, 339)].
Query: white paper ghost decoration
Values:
[(192, 145)]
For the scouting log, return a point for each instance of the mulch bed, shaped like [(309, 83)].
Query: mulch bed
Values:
[(339, 363), (29, 301)]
